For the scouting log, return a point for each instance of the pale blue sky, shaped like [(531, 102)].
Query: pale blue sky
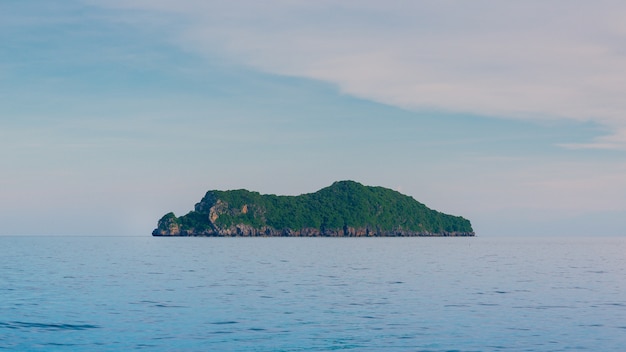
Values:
[(113, 113)]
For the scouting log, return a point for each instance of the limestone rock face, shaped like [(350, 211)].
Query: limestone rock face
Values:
[(345, 209), (168, 226)]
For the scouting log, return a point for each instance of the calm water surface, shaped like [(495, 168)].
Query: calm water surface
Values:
[(312, 294)]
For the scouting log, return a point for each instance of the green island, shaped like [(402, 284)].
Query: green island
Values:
[(344, 209)]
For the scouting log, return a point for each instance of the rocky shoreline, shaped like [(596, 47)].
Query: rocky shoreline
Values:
[(249, 231)]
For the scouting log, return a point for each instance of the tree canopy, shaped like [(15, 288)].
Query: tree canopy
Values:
[(343, 204)]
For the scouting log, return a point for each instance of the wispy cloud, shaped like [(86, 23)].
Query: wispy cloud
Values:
[(614, 141), (531, 59)]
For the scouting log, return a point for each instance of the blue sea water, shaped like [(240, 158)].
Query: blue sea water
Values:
[(312, 294)]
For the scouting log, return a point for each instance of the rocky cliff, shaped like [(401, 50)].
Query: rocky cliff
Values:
[(344, 209)]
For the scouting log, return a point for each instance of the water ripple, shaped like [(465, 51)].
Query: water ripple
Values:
[(46, 326)]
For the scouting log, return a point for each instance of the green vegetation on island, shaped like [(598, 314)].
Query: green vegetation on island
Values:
[(345, 208)]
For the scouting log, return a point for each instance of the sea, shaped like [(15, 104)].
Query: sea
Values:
[(74, 293)]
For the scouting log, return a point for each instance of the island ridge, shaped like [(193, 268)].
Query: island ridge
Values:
[(344, 209)]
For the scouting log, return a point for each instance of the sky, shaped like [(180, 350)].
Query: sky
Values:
[(510, 114)]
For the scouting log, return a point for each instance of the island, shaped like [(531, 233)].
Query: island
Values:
[(344, 209)]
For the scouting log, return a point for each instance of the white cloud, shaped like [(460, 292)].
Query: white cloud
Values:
[(530, 59)]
